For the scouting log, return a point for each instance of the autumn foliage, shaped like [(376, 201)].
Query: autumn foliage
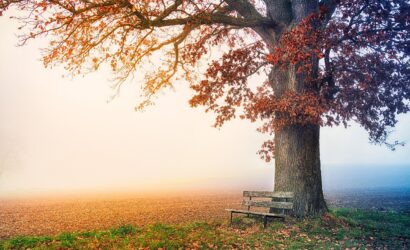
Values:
[(353, 55)]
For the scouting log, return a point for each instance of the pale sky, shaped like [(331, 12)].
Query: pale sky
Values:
[(59, 134)]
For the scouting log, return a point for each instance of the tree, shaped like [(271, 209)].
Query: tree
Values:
[(328, 62)]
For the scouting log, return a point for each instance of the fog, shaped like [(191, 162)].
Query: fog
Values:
[(61, 135)]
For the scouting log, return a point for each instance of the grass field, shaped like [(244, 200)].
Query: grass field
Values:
[(340, 229)]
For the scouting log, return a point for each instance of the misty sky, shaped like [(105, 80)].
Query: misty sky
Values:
[(60, 134)]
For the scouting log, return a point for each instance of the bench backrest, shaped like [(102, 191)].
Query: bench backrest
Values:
[(281, 200)]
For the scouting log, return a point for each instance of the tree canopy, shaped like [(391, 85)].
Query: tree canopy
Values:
[(361, 45)]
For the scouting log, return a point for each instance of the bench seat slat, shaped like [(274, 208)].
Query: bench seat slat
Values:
[(274, 204), (256, 213), (267, 194)]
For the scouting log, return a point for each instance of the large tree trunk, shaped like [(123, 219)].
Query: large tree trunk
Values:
[(297, 152), (297, 168), (297, 156)]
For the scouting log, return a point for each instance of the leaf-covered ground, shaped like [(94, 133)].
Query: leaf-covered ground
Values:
[(340, 229), (50, 216)]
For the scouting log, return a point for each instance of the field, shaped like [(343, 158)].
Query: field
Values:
[(199, 221), (52, 216)]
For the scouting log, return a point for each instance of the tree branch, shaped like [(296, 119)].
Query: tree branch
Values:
[(248, 12), (244, 8), (216, 18), (329, 6)]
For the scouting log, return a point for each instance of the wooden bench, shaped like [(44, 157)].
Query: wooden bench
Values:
[(279, 200)]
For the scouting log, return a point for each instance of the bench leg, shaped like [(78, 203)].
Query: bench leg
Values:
[(231, 217), (265, 221)]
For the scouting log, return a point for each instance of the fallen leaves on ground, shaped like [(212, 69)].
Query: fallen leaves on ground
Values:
[(52, 216)]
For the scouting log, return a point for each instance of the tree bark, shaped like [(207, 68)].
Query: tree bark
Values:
[(297, 151), (297, 156), (297, 168)]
